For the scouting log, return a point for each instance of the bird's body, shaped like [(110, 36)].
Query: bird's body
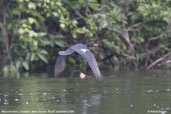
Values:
[(83, 50)]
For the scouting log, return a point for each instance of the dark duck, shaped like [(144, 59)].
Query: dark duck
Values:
[(81, 49)]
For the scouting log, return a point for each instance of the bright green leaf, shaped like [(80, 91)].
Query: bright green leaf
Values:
[(26, 65)]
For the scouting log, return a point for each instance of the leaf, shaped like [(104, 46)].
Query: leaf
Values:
[(18, 64), (6, 71), (25, 64), (32, 20), (42, 57), (95, 6), (15, 11), (44, 52), (31, 5), (33, 56), (42, 33), (62, 25), (60, 43), (59, 36), (40, 17)]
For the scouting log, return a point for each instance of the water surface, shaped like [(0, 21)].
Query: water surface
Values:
[(122, 93)]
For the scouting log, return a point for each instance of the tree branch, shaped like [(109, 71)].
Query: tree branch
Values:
[(130, 28), (160, 35), (115, 30), (158, 60), (5, 36)]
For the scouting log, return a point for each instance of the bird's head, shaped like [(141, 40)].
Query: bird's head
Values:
[(96, 43)]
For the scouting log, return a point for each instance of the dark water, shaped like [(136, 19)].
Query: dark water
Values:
[(122, 93)]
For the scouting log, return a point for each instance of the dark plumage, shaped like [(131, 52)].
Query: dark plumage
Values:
[(83, 50)]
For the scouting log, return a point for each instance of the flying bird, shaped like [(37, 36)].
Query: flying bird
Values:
[(83, 50)]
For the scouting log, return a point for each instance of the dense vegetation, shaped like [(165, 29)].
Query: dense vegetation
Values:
[(134, 33)]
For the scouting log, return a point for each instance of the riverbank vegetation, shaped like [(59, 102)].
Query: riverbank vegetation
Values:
[(134, 34)]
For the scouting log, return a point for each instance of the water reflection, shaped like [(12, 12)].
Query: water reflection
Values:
[(126, 92), (93, 103)]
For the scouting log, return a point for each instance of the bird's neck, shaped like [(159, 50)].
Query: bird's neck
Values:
[(91, 44)]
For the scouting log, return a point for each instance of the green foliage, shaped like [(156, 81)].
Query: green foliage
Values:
[(29, 30), (34, 30)]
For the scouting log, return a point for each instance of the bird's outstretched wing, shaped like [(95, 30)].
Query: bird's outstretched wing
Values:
[(66, 52), (60, 65), (60, 61), (89, 56)]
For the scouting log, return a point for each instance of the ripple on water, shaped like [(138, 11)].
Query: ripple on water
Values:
[(131, 105), (5, 102), (168, 90), (16, 99), (27, 102), (6, 94), (154, 105), (44, 93), (58, 101), (149, 91), (20, 94)]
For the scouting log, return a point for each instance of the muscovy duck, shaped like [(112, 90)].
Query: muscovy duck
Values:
[(83, 50)]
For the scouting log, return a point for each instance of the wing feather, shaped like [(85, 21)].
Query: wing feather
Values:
[(89, 56), (60, 65), (66, 52)]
